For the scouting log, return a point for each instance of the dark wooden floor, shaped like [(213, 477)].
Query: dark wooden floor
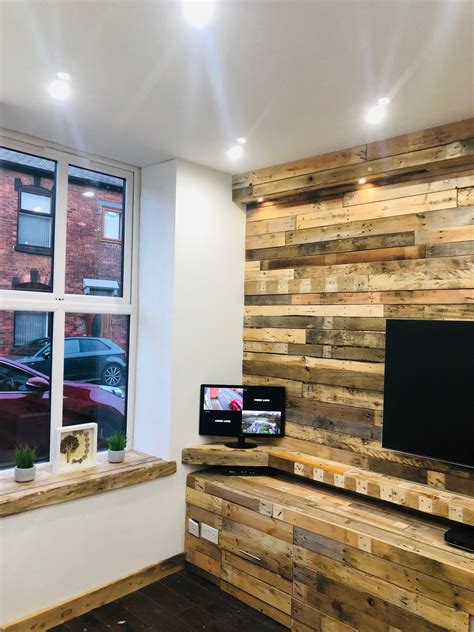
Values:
[(179, 603)]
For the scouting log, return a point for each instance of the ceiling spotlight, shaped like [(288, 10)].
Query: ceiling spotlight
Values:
[(376, 114), (88, 194), (198, 13), (59, 89), (235, 152), (241, 140), (362, 180), (64, 76), (260, 199), (383, 101)]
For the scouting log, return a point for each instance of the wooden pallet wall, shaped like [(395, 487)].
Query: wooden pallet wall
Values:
[(323, 276)]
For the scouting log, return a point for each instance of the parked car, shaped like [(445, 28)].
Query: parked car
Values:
[(235, 404), (24, 407), (86, 359)]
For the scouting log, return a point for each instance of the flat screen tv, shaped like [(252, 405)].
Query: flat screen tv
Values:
[(240, 411), (429, 390)]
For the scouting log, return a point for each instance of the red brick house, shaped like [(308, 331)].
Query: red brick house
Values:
[(94, 239)]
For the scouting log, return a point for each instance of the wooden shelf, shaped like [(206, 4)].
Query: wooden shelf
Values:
[(52, 489), (429, 500), (219, 454)]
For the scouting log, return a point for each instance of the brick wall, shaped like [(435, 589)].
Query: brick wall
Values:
[(88, 255)]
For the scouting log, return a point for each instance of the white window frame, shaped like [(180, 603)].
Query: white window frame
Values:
[(58, 302)]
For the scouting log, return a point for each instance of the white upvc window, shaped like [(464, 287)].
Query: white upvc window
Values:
[(63, 285)]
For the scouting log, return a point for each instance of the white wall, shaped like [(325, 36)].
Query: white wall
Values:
[(190, 332)]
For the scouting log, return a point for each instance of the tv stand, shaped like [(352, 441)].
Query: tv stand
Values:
[(240, 444)]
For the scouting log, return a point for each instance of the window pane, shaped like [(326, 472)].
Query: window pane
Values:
[(34, 231), (91, 260), (112, 225), (30, 326), (25, 371), (24, 262), (35, 203), (96, 372)]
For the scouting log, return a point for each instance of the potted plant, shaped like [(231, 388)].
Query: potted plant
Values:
[(116, 444), (24, 457)]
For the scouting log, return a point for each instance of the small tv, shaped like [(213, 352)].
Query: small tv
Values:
[(429, 390), (242, 411)]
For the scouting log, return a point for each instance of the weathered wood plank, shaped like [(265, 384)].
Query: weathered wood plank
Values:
[(364, 311), (440, 590), (275, 335), (369, 193), (424, 225), (377, 210), (387, 166), (320, 246), (360, 256), (51, 489)]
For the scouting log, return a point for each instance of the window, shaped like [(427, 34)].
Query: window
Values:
[(71, 330), (27, 184), (30, 326), (34, 222), (94, 219), (112, 225)]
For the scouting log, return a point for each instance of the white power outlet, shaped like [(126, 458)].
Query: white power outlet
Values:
[(193, 527), (209, 533)]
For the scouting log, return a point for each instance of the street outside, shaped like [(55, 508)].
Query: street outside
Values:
[(224, 397)]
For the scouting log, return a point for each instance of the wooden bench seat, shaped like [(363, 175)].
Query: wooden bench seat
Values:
[(316, 558)]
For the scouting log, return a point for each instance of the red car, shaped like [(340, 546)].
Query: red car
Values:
[(24, 408), (236, 404)]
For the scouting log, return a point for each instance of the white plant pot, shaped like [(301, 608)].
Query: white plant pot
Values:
[(25, 475), (116, 456)]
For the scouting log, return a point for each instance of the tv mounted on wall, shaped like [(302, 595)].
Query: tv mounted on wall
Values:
[(240, 411), (429, 390)]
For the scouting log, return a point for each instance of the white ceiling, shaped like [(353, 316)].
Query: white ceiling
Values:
[(294, 77)]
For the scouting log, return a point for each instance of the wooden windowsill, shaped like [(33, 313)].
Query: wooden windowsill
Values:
[(52, 489)]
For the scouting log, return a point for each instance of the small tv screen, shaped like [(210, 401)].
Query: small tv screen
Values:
[(428, 393), (233, 410)]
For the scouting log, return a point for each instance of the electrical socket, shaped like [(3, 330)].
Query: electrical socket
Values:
[(193, 527), (209, 533)]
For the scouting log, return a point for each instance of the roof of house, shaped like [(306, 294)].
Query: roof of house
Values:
[(33, 162)]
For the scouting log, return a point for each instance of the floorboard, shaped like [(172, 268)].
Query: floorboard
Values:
[(182, 602)]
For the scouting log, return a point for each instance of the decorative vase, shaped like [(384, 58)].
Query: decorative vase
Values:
[(25, 475), (116, 456)]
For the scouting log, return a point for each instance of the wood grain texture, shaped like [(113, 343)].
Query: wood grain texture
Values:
[(348, 565), (401, 247), (444, 156), (52, 489)]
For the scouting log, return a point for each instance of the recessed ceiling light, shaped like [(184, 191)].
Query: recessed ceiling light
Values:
[(59, 89), (235, 152), (383, 101), (260, 199), (198, 13), (64, 76), (241, 140), (362, 180), (376, 114), (37, 209), (88, 194)]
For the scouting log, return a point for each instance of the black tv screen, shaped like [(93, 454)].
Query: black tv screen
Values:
[(429, 389), (233, 410)]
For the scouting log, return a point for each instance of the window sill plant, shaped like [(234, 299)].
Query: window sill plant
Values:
[(116, 444), (24, 457)]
